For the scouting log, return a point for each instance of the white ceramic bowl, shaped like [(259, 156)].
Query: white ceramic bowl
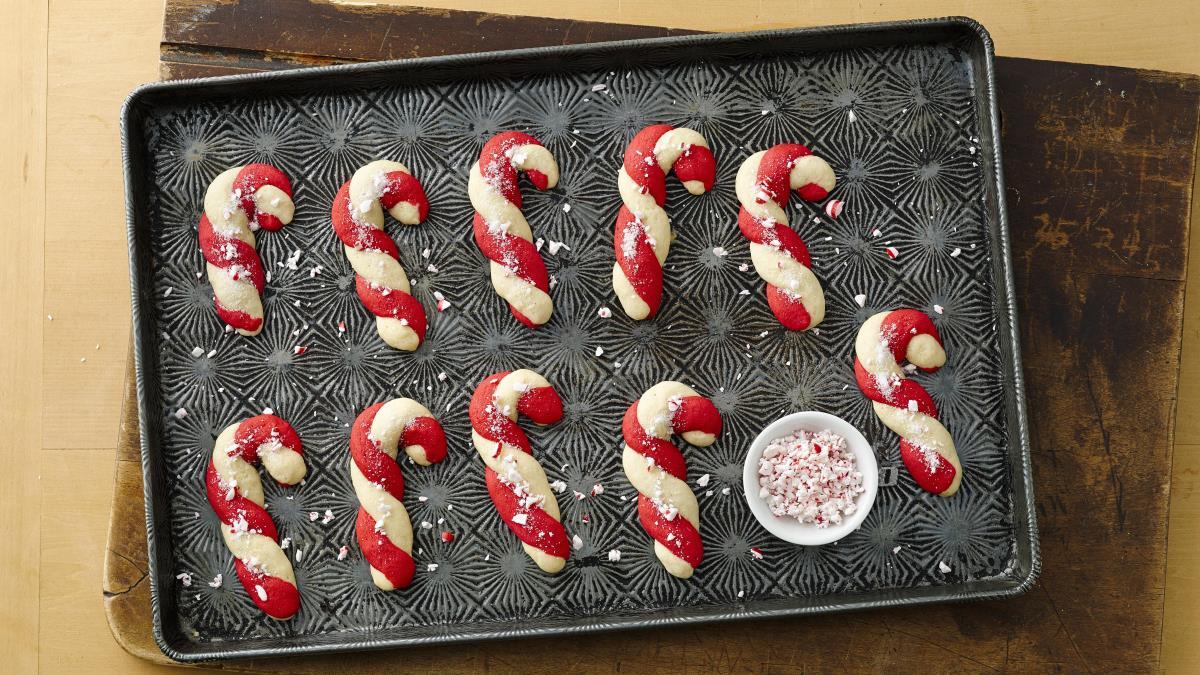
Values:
[(790, 529)]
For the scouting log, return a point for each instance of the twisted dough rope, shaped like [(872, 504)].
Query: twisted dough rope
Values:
[(501, 231), (515, 480), (780, 257), (238, 201), (381, 283), (902, 404), (383, 528), (667, 507), (236, 495), (642, 235)]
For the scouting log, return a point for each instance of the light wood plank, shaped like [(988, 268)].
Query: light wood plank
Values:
[(75, 635), (96, 58), (22, 191)]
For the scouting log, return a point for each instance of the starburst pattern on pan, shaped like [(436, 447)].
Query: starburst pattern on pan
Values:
[(408, 128), (553, 117), (264, 134), (631, 102), (930, 170), (773, 105), (706, 333), (332, 143), (927, 241), (848, 103), (702, 101), (189, 150), (582, 276), (927, 93), (177, 215), (873, 546), (473, 113), (971, 534)]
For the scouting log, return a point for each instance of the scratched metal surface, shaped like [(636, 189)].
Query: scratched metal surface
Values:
[(905, 115)]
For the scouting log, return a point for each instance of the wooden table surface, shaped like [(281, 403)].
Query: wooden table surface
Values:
[(69, 64)]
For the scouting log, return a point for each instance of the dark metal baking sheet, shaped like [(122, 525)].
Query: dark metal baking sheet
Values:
[(905, 112)]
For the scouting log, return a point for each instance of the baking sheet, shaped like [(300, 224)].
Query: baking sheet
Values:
[(905, 114)]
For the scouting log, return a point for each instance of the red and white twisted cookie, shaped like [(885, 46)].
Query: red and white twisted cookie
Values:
[(383, 529), (667, 507), (905, 407), (236, 494), (780, 257), (501, 231), (358, 221), (240, 200), (515, 480), (642, 235)]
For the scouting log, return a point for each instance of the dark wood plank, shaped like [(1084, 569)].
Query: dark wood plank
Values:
[(1099, 180), (276, 34)]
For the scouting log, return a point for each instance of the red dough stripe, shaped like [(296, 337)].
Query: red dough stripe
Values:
[(638, 262), (693, 413), (237, 513), (395, 563), (393, 303), (542, 405), (379, 468), (238, 258), (507, 250), (540, 529), (774, 183), (677, 534), (903, 325)]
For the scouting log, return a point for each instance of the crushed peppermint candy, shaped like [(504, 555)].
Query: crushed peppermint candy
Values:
[(614, 555), (184, 578), (943, 567), (939, 309), (197, 352), (720, 251), (703, 480), (810, 476), (833, 208), (893, 252), (343, 552), (216, 582), (756, 553), (447, 536), (576, 542), (442, 303), (861, 299), (599, 351), (556, 246), (180, 414), (604, 313)]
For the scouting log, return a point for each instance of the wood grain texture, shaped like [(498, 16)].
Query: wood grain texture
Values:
[(1090, 251), (23, 191)]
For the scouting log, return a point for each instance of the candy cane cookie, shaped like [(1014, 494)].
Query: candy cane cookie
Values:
[(383, 529), (515, 480), (237, 202), (667, 507), (780, 257), (903, 405), (642, 235), (236, 495), (380, 281), (501, 231)]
